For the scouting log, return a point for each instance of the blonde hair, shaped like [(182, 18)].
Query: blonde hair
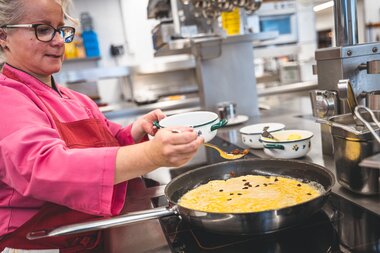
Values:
[(66, 4), (11, 11)]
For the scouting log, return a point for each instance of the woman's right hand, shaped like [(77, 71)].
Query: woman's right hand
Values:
[(173, 147)]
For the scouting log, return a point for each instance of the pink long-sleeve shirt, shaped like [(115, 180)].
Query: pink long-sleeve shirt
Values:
[(35, 164)]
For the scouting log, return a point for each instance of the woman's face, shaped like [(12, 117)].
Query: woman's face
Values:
[(24, 51)]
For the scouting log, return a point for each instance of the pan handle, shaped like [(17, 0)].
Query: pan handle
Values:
[(104, 223), (338, 125), (366, 123)]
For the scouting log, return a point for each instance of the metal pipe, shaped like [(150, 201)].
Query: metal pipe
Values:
[(346, 23)]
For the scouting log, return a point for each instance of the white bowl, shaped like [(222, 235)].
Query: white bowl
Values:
[(283, 147), (251, 134), (204, 122)]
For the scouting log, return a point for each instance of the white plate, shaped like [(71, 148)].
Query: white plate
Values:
[(237, 120)]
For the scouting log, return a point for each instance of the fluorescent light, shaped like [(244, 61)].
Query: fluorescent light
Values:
[(323, 6)]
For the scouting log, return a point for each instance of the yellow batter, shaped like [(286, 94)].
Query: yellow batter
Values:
[(251, 193)]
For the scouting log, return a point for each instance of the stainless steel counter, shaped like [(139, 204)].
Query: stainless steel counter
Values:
[(124, 113), (294, 111), (129, 111)]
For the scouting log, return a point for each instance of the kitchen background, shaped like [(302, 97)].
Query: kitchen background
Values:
[(127, 67), (137, 68)]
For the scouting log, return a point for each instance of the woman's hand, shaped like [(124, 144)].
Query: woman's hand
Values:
[(144, 124), (173, 147)]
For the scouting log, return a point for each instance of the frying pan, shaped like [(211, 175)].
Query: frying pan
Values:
[(226, 223)]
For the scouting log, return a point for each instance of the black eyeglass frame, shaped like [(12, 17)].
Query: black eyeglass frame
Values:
[(59, 30)]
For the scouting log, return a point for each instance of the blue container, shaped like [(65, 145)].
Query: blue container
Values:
[(91, 43)]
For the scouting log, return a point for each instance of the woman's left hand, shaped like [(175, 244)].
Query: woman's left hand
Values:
[(144, 124)]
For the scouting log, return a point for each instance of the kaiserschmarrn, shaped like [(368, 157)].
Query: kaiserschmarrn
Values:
[(250, 193)]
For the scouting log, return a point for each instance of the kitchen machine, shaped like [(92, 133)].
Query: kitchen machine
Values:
[(348, 75)]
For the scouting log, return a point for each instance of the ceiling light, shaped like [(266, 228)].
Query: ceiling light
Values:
[(323, 6)]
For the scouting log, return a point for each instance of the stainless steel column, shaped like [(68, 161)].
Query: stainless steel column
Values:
[(346, 23), (226, 72)]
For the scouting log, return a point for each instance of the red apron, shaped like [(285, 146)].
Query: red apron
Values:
[(77, 134)]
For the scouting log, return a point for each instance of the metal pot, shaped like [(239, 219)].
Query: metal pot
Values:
[(352, 143), (226, 223)]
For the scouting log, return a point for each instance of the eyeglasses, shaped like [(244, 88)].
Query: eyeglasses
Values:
[(46, 32)]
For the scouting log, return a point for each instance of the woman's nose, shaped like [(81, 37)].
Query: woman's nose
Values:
[(58, 39)]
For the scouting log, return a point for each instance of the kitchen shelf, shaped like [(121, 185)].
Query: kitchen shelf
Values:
[(92, 74), (373, 25), (371, 28)]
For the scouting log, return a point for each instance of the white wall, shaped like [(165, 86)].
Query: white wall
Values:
[(372, 11), (325, 19), (372, 15), (306, 30), (120, 22), (108, 24), (117, 22), (138, 29)]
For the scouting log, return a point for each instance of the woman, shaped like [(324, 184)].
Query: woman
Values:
[(61, 160)]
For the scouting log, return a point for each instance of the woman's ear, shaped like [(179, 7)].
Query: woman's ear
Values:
[(3, 37), (3, 34)]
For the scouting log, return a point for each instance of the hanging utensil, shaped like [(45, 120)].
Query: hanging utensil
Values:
[(366, 123)]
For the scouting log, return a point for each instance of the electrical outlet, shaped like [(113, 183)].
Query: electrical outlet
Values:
[(117, 50)]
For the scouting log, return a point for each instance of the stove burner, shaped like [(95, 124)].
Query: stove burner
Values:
[(315, 236)]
